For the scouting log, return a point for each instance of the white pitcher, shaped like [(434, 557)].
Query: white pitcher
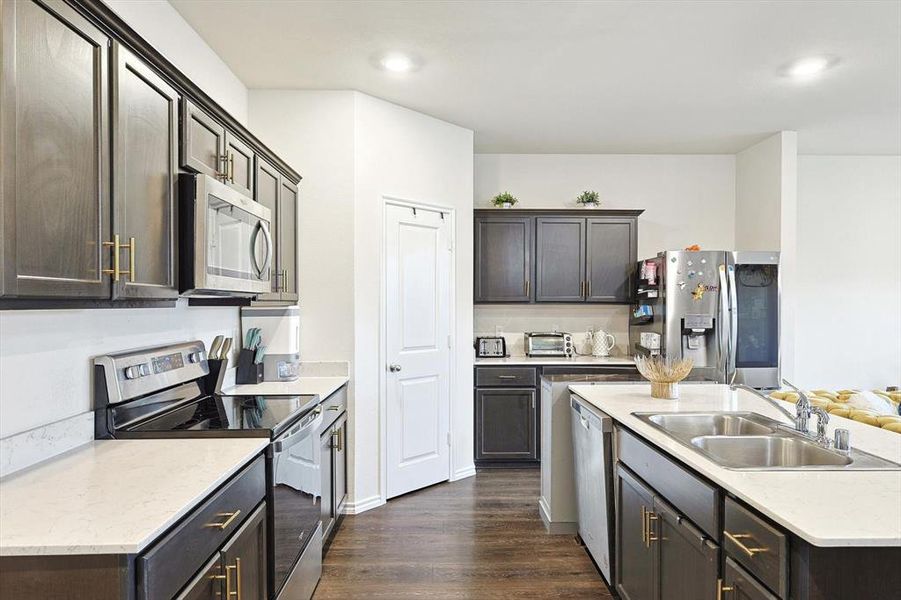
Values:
[(601, 343)]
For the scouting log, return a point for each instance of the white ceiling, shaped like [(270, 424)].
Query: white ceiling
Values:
[(585, 77)]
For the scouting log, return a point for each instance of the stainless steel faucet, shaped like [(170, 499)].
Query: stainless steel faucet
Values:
[(802, 407)]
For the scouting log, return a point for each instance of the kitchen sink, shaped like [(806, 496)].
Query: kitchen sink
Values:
[(753, 442), (700, 424), (768, 451)]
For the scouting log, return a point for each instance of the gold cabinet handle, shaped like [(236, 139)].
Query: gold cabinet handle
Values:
[(340, 439), (238, 578), (651, 516), (229, 517), (231, 167), (131, 258), (721, 589), (588, 295), (229, 592), (336, 407), (736, 538), (115, 246), (528, 286), (644, 526)]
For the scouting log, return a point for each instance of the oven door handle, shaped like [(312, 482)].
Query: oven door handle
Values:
[(302, 433), (261, 226)]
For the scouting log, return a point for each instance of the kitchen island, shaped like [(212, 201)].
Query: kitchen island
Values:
[(802, 533)]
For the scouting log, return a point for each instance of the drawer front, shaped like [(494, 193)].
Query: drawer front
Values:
[(168, 565), (506, 377), (692, 496), (333, 407), (757, 546)]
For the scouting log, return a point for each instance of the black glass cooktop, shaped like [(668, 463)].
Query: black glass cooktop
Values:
[(258, 415)]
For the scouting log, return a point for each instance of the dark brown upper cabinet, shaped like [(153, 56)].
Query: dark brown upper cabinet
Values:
[(202, 142), (577, 256), (612, 253), (560, 259), (280, 196), (503, 258), (145, 148), (209, 148), (55, 153)]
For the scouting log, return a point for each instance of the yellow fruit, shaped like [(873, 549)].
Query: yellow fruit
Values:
[(821, 391), (846, 392), (835, 406), (827, 395), (791, 396), (840, 412), (896, 427), (843, 399), (820, 402), (883, 419), (777, 395), (883, 394)]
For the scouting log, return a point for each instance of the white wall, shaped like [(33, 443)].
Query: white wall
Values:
[(687, 199), (848, 328), (45, 361), (404, 154), (161, 25), (353, 150)]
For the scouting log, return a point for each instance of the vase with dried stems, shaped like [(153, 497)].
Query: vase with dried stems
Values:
[(664, 374)]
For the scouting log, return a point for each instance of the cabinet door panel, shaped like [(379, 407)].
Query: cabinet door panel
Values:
[(145, 171), (244, 557), (506, 424), (687, 561), (240, 165), (287, 231), (326, 467), (612, 253), (560, 259), (202, 141), (503, 259), (208, 585), (743, 586), (266, 190), (55, 152), (635, 560)]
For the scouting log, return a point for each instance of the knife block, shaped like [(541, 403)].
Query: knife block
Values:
[(248, 371), (213, 381)]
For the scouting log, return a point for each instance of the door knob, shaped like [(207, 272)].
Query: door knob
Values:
[(394, 368)]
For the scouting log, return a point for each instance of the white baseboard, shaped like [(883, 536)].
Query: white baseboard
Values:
[(360, 506), (467, 471), (554, 527)]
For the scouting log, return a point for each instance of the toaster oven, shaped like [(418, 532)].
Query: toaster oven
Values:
[(548, 344)]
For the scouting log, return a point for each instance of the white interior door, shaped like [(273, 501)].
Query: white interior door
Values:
[(417, 277)]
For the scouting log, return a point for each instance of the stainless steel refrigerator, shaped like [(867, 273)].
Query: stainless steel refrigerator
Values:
[(719, 308)]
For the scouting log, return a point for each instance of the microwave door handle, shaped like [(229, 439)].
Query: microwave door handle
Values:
[(268, 262)]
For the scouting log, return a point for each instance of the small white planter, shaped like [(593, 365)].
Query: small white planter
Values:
[(590, 204)]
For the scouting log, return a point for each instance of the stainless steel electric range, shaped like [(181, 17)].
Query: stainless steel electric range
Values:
[(166, 391)]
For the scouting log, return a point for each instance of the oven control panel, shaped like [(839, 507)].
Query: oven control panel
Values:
[(134, 373)]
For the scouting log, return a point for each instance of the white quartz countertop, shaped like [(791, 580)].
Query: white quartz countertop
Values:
[(302, 386), (826, 508), (580, 361), (114, 496)]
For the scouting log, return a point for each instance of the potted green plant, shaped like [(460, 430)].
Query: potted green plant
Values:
[(504, 200), (588, 199)]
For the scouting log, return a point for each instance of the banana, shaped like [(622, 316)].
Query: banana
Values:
[(896, 427)]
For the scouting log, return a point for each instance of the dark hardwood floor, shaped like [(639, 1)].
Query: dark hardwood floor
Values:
[(478, 538)]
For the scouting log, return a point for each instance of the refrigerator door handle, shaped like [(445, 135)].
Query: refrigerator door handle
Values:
[(733, 322), (725, 324)]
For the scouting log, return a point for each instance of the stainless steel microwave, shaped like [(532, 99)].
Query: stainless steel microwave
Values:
[(225, 245)]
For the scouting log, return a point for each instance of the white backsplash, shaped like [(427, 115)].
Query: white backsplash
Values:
[(514, 319)]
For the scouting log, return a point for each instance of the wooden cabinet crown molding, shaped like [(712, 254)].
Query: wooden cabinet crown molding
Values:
[(105, 18)]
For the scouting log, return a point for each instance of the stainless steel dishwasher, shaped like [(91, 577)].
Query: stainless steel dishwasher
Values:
[(592, 459)]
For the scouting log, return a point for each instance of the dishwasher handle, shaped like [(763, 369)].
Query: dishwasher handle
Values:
[(589, 416)]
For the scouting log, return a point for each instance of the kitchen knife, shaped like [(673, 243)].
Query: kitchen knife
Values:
[(226, 348), (258, 357), (214, 347)]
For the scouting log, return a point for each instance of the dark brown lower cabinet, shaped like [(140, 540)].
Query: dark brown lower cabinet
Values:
[(686, 559), (738, 585), (238, 569), (635, 578), (506, 424)]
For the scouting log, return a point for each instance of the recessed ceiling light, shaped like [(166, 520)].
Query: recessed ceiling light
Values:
[(808, 68), (397, 63)]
